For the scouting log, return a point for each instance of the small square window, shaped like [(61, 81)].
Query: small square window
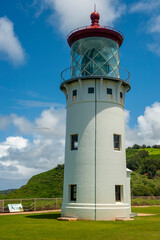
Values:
[(74, 93), (74, 142), (90, 90), (121, 95), (118, 193), (116, 139), (73, 192), (109, 91)]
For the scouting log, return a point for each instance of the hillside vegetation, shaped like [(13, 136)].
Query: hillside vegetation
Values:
[(44, 185), (5, 192), (145, 164), (145, 180)]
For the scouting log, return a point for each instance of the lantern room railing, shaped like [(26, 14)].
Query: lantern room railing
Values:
[(123, 74), (86, 27)]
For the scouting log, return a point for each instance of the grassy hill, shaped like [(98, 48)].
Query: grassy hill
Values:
[(44, 185)]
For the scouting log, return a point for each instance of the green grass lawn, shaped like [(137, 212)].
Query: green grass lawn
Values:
[(44, 226)]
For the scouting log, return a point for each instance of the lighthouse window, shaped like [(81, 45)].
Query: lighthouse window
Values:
[(116, 139), (90, 90), (74, 93), (118, 193), (73, 192), (109, 91), (121, 95), (74, 142)]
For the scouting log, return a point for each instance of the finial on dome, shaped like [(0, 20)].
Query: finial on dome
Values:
[(95, 17)]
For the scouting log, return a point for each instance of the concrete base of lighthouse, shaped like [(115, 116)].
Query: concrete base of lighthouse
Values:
[(107, 212)]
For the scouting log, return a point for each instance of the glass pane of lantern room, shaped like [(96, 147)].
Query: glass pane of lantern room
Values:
[(94, 56)]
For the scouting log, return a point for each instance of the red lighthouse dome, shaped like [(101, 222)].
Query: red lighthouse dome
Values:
[(95, 30)]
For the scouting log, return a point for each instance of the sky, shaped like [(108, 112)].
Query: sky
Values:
[(34, 52)]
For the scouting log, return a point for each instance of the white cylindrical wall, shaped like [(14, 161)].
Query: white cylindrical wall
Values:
[(95, 167)]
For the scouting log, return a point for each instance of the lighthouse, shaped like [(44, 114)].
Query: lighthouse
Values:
[(96, 181)]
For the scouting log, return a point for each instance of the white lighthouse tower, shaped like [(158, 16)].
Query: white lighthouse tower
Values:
[(96, 181)]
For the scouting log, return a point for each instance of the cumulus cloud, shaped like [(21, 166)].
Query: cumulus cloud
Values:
[(16, 142), (67, 14), (50, 121), (21, 158), (147, 130), (9, 166), (152, 26), (12, 143), (23, 125), (10, 46), (53, 120), (23, 161)]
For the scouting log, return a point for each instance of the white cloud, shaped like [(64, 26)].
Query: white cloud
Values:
[(152, 26), (10, 47), (145, 6), (154, 47), (52, 120), (19, 161), (70, 14), (4, 122), (21, 158), (23, 125), (3, 150), (147, 130), (9, 166), (126, 116), (16, 142), (12, 143)]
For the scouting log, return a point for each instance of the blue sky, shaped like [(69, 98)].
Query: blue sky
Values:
[(34, 52)]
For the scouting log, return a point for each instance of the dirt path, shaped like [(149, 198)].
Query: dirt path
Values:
[(147, 206), (145, 214)]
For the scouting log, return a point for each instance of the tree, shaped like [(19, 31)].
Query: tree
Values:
[(147, 166), (143, 154), (136, 146), (143, 146)]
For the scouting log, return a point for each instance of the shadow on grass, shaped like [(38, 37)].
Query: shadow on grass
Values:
[(45, 216)]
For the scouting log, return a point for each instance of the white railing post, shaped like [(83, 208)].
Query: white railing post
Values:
[(56, 203), (35, 204), (3, 205)]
